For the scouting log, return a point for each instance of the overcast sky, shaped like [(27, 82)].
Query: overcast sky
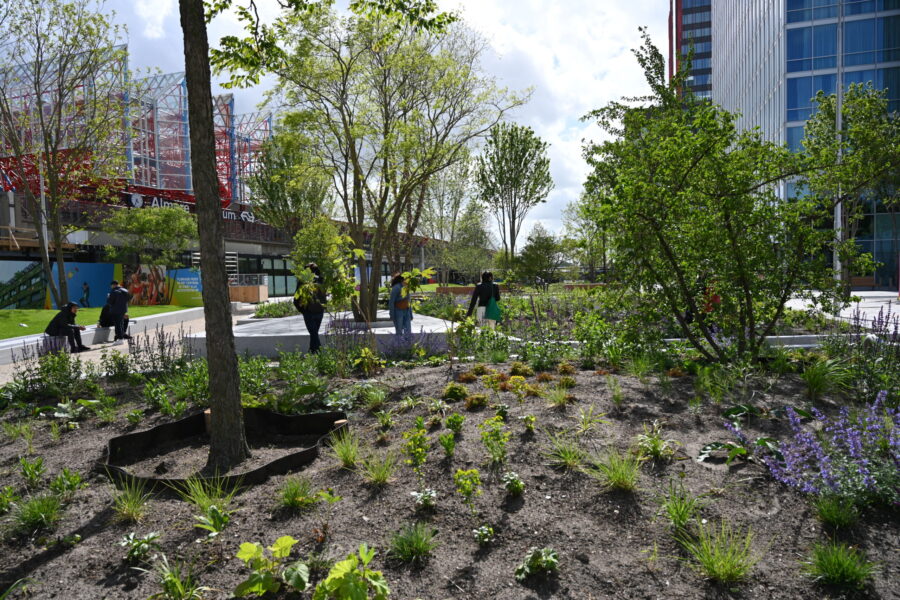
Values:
[(575, 54)]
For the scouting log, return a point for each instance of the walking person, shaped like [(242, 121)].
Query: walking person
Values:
[(63, 324), (484, 292), (117, 300), (399, 307), (314, 309), (85, 299)]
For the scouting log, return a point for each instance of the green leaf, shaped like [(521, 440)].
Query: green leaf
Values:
[(296, 575), (258, 583), (250, 551), (282, 546), (365, 554)]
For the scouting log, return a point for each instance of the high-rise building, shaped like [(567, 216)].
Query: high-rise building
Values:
[(771, 57), (690, 22)]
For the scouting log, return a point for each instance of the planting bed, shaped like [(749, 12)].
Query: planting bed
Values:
[(610, 545)]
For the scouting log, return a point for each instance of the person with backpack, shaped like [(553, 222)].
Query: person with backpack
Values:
[(63, 324), (486, 295), (399, 307), (314, 309), (117, 300)]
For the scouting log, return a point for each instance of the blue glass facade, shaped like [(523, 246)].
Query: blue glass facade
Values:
[(692, 28), (830, 44)]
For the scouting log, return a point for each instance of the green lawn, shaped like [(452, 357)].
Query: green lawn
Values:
[(35, 321)]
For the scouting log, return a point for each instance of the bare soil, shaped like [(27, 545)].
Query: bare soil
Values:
[(611, 545)]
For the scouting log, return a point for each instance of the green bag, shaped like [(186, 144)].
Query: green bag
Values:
[(492, 311)]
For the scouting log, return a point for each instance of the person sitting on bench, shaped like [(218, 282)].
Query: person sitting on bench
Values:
[(106, 320), (63, 324)]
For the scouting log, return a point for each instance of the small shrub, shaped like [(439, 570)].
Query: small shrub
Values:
[(565, 368), (66, 484), (134, 417), (177, 580), (345, 446), (824, 377), (836, 512), (653, 445), (455, 392), (8, 498), (617, 470), (455, 422), (297, 493), (544, 377), (130, 502), (839, 565), (425, 499), (267, 574), (408, 403), (484, 535), (378, 470), (416, 449), (564, 451), (513, 484), (495, 438), (501, 410), (448, 443), (138, 548), (520, 369), (36, 513), (203, 492), (479, 369), (566, 382), (385, 419), (476, 401), (679, 507), (467, 377), (214, 520), (529, 421), (721, 553), (559, 398), (32, 471), (413, 544), (468, 485), (538, 562)]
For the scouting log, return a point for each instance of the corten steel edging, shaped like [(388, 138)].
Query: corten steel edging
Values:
[(257, 421)]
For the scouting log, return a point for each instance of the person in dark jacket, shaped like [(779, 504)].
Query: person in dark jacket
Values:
[(117, 300), (106, 319), (399, 307), (63, 324), (481, 296), (314, 309)]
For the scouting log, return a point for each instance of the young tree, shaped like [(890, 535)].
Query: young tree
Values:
[(321, 242), (470, 251), (541, 258), (513, 177), (164, 234), (287, 191), (62, 79), (852, 158), (586, 238), (696, 216)]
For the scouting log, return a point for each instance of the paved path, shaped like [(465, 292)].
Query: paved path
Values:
[(869, 306)]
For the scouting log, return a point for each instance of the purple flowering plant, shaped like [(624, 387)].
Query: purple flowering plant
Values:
[(853, 455)]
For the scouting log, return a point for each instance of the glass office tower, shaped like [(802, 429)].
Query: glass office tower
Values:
[(690, 22), (771, 57)]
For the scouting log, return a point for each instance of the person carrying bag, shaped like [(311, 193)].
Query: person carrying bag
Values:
[(486, 297)]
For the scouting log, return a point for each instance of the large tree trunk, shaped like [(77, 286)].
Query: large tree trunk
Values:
[(228, 443)]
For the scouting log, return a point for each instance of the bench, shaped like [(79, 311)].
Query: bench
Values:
[(51, 344), (863, 281)]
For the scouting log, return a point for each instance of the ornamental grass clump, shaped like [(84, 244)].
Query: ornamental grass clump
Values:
[(853, 456), (839, 565), (721, 553)]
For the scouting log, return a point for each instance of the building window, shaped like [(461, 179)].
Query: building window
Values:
[(700, 32), (699, 48), (699, 80), (858, 7), (691, 18), (800, 92), (795, 138), (695, 3), (889, 39), (701, 63), (811, 48), (859, 42), (807, 10)]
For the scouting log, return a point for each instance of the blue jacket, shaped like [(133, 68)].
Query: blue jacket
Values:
[(118, 300), (397, 296)]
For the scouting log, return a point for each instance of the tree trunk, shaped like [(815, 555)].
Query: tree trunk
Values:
[(228, 443), (55, 230), (35, 209)]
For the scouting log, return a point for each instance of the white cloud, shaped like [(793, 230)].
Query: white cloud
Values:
[(154, 13)]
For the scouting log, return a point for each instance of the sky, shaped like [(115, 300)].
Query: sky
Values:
[(574, 54)]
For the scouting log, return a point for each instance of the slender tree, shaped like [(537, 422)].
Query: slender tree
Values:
[(541, 257), (161, 234), (228, 442), (513, 177)]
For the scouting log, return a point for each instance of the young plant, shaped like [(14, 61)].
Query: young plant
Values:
[(501, 410), (538, 562), (455, 392), (177, 580), (484, 535), (615, 391), (134, 417), (448, 443), (544, 377), (588, 419), (565, 368), (468, 485), (32, 471), (825, 376), (345, 447), (425, 499), (558, 398), (513, 484), (455, 422), (385, 419), (204, 492), (529, 421), (836, 512), (495, 438), (416, 449), (476, 401), (566, 382), (617, 470), (66, 484), (268, 574), (36, 513), (368, 362), (138, 548), (679, 506), (351, 578), (839, 565), (296, 493), (130, 503), (378, 470), (214, 520), (520, 369), (55, 432), (564, 451), (8, 498), (721, 553), (413, 543), (653, 445)]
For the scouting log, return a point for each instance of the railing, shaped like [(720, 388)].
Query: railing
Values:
[(248, 279)]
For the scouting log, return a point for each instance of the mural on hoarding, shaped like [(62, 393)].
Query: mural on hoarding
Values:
[(23, 284)]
